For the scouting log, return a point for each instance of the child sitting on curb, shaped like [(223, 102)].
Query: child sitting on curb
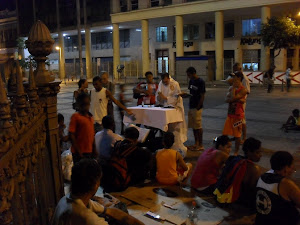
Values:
[(171, 169), (293, 122)]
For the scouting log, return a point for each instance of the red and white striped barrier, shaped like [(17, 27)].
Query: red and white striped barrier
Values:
[(257, 77)]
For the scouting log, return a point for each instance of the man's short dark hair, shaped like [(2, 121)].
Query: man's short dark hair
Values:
[(191, 70), (164, 75), (108, 122), (81, 82), (168, 139), (131, 133), (60, 117), (251, 145), (85, 175), (239, 74), (81, 97), (222, 140), (96, 78), (148, 73), (281, 159)]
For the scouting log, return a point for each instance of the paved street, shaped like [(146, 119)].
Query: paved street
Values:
[(265, 113)]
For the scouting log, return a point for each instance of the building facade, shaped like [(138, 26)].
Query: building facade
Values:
[(149, 34)]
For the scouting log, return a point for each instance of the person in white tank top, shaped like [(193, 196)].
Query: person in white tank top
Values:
[(99, 102)]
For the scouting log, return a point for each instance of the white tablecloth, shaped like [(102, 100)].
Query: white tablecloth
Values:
[(154, 116)]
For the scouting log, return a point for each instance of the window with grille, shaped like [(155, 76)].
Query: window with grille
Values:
[(161, 34), (251, 27)]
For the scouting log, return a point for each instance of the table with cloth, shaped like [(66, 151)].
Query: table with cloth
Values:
[(165, 119)]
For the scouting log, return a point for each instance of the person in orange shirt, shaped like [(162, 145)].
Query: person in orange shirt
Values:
[(81, 130), (236, 114), (171, 169)]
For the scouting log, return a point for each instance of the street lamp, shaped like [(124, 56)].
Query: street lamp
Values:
[(59, 62)]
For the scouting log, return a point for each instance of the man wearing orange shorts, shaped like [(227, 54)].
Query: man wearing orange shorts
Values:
[(236, 114)]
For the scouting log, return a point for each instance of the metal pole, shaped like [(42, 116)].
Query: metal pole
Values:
[(282, 88)]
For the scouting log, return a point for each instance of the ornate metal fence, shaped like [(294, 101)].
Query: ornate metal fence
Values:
[(30, 175)]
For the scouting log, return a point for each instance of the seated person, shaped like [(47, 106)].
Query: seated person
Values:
[(106, 139), (293, 122), (278, 197), (171, 169), (63, 138), (77, 208), (240, 175), (129, 164), (209, 165), (145, 91)]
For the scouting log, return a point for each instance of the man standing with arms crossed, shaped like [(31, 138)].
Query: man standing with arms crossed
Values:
[(197, 91)]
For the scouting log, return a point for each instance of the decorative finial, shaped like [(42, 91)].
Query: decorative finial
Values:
[(3, 95), (20, 87), (31, 77)]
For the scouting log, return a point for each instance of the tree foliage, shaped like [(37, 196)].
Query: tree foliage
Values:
[(280, 33)]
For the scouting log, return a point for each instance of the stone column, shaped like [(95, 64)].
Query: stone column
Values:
[(179, 36), (143, 4), (238, 54), (61, 43), (219, 42), (265, 51), (115, 6), (116, 48), (296, 59), (145, 46), (88, 54), (129, 6)]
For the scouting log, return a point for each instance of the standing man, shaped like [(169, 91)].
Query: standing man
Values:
[(99, 102), (168, 94), (81, 130), (145, 91), (111, 87), (168, 91), (288, 78), (197, 91)]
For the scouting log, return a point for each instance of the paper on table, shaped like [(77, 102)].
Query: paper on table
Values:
[(143, 133)]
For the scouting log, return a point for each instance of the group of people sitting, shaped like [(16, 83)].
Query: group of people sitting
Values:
[(125, 162)]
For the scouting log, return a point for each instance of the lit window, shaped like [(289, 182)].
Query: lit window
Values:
[(161, 34), (251, 27)]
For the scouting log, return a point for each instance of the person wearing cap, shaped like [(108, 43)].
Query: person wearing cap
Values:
[(235, 116), (246, 84)]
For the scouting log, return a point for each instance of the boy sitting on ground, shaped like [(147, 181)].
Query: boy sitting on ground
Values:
[(209, 165), (278, 197), (240, 175), (106, 139), (293, 122), (129, 164), (171, 169)]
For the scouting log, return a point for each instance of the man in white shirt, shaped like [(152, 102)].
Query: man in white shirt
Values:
[(168, 91), (246, 83), (106, 139), (77, 208), (99, 103), (168, 94)]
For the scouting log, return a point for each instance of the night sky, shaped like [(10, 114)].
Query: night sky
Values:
[(7, 4)]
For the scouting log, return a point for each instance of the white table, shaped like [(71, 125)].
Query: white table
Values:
[(156, 117)]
